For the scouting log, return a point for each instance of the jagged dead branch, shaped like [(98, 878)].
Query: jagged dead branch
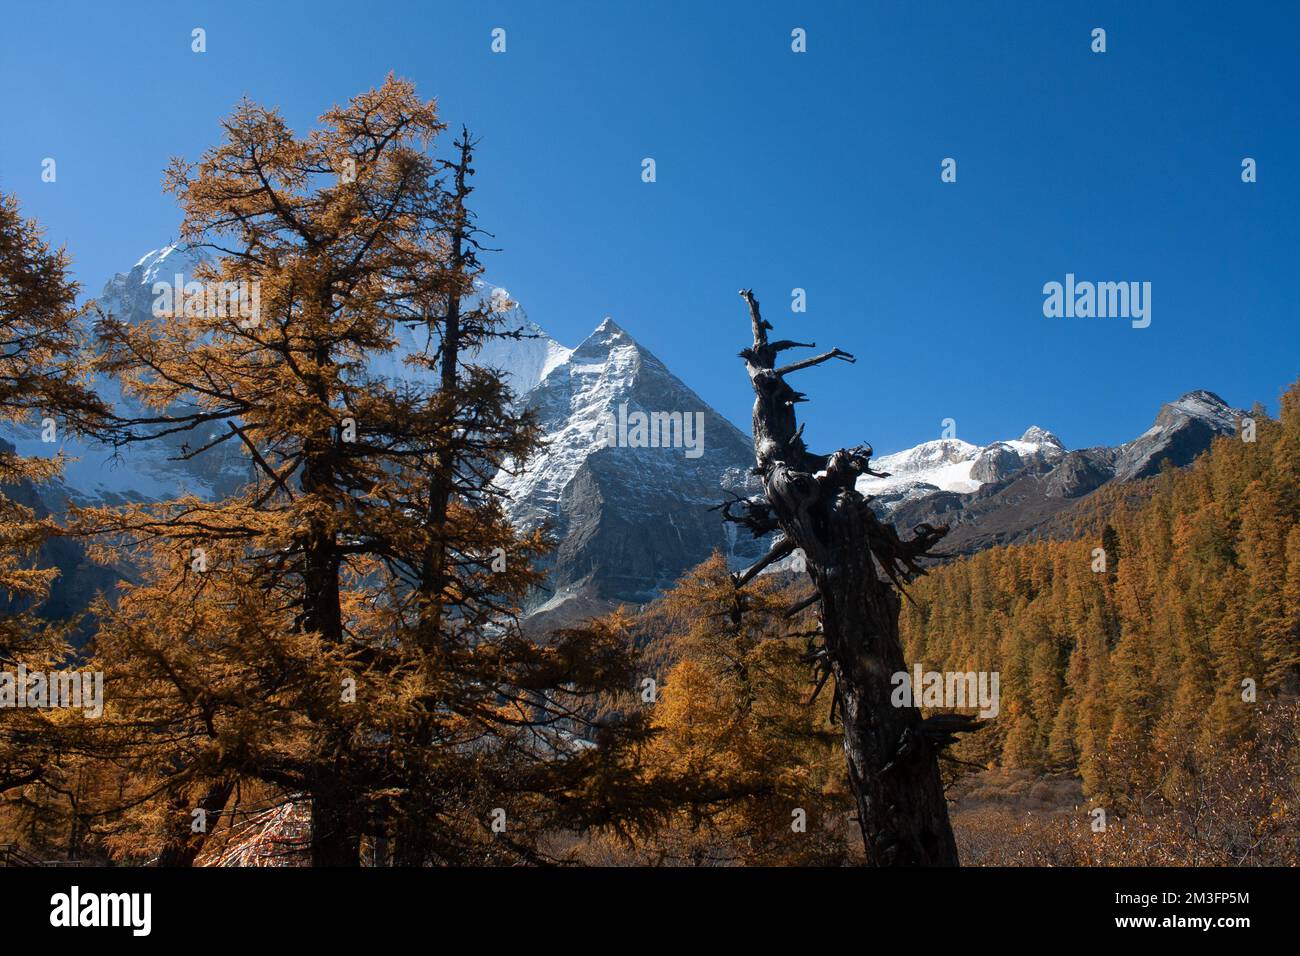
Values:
[(802, 604), (756, 515), (783, 547)]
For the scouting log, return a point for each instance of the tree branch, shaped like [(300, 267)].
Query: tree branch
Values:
[(782, 547), (816, 360)]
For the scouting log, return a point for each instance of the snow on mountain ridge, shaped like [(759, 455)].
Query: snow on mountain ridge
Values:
[(94, 473), (523, 361), (580, 395), (1201, 405), (1181, 430), (950, 464), (943, 463), (1040, 436)]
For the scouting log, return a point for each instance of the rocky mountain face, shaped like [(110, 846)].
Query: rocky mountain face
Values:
[(633, 464)]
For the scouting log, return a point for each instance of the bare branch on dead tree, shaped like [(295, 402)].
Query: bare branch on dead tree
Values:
[(802, 603), (780, 549), (755, 515), (816, 360)]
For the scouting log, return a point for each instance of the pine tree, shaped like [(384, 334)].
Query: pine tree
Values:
[(343, 628), (1262, 537), (745, 748), (43, 385)]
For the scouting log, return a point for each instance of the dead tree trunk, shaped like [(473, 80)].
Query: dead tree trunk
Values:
[(892, 754)]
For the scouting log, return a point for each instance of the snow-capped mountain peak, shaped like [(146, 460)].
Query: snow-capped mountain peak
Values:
[(629, 516), (1202, 405), (1182, 430), (950, 464), (130, 296), (942, 464), (609, 327), (1040, 436)]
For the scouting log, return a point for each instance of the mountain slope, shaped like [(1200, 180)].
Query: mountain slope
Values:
[(628, 520)]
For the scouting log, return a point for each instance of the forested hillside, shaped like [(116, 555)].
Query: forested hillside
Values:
[(1163, 669), (1188, 630)]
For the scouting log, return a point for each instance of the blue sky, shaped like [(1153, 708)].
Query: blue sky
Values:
[(775, 170)]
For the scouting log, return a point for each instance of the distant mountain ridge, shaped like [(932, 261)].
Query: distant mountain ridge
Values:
[(628, 518), (1021, 485)]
